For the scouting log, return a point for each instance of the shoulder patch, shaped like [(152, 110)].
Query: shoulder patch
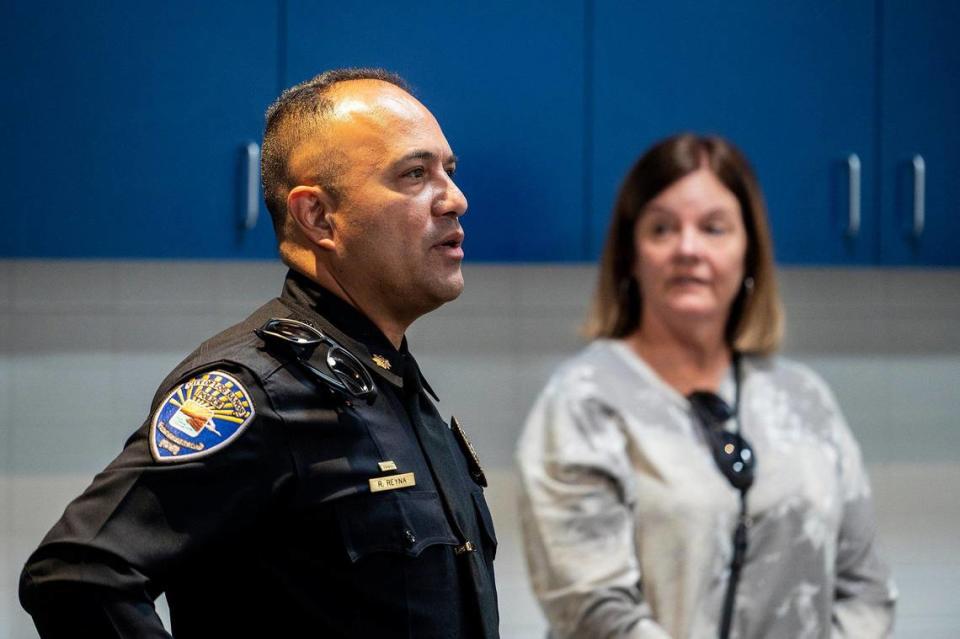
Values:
[(200, 416)]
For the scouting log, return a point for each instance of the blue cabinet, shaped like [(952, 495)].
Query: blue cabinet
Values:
[(920, 136), (505, 80), (792, 84), (126, 124), (846, 110)]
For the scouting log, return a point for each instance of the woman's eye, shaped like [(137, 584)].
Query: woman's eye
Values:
[(716, 228)]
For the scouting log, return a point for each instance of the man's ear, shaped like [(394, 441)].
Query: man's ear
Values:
[(310, 207)]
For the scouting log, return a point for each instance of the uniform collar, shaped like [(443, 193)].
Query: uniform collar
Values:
[(354, 330)]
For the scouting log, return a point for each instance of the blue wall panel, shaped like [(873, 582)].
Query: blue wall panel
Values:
[(505, 80), (792, 84), (920, 111), (126, 124)]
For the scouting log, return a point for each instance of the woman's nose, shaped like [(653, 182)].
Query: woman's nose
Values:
[(689, 242)]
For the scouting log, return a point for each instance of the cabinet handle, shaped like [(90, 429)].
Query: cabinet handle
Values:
[(853, 223), (919, 194), (252, 210)]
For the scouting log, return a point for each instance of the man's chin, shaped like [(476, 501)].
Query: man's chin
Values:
[(448, 289), (451, 289)]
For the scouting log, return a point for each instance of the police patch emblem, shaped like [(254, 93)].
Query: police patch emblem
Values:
[(200, 416)]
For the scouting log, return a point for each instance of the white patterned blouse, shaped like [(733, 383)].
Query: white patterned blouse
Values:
[(628, 522)]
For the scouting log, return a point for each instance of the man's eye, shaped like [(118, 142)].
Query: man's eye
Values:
[(451, 171), (416, 173)]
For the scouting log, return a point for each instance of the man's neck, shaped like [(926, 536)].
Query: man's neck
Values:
[(391, 327)]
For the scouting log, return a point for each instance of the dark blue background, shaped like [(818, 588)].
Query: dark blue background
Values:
[(127, 122)]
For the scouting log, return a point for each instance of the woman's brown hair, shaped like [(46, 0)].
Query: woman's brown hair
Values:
[(755, 324)]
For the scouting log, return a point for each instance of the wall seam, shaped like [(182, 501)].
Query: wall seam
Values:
[(587, 182)]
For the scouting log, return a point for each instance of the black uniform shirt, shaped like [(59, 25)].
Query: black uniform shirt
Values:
[(296, 527)]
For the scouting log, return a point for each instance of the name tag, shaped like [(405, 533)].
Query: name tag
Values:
[(393, 482)]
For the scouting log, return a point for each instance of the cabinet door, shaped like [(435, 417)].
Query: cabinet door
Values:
[(505, 80), (127, 122), (920, 109), (791, 83)]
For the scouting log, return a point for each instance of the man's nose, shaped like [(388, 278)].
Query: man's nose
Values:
[(452, 201)]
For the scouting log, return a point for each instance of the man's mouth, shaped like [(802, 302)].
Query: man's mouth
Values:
[(451, 244)]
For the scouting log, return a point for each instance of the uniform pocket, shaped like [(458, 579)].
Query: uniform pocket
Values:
[(486, 521), (395, 521)]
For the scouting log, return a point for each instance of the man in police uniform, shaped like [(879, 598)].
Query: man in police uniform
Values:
[(293, 477)]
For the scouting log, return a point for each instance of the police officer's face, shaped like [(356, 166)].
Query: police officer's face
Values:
[(397, 221)]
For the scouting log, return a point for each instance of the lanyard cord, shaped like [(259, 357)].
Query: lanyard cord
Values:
[(737, 383), (739, 553), (740, 534)]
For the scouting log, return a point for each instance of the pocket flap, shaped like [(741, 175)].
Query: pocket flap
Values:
[(395, 521)]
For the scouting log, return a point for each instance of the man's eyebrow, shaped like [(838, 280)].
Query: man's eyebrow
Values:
[(423, 154)]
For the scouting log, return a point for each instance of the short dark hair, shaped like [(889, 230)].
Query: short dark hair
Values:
[(297, 114), (755, 323)]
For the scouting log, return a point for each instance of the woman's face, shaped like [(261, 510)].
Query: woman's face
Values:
[(690, 244)]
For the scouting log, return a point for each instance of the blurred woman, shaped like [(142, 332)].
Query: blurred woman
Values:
[(679, 480)]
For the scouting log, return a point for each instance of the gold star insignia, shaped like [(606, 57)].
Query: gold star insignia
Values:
[(381, 361)]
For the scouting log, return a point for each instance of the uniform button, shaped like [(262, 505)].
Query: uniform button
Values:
[(410, 537)]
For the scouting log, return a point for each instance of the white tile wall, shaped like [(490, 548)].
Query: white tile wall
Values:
[(919, 515), (872, 312), (901, 407), (83, 346), (37, 501), (8, 558), (6, 284), (58, 286)]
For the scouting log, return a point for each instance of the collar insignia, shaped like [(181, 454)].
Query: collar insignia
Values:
[(381, 361), (473, 460)]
